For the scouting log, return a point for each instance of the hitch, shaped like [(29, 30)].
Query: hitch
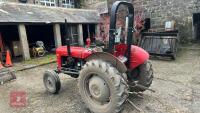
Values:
[(145, 88), (142, 87), (131, 103)]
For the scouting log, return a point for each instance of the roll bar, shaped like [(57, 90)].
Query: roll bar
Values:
[(112, 30)]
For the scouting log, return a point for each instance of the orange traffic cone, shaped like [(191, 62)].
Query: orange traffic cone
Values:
[(1, 66), (8, 59)]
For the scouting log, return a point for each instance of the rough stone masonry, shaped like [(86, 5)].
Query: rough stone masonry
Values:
[(161, 11)]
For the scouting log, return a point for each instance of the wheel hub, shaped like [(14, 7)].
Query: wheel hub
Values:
[(99, 89), (49, 83)]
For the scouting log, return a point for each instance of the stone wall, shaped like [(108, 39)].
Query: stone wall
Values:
[(161, 11), (58, 3), (90, 4)]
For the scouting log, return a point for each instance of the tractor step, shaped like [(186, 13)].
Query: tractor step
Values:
[(146, 88)]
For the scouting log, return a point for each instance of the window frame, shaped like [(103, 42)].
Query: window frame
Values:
[(52, 3), (68, 3), (3, 0)]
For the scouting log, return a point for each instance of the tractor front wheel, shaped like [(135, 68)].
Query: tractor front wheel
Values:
[(51, 81), (102, 88)]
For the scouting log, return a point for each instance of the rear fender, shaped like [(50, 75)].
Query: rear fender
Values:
[(121, 67), (137, 57)]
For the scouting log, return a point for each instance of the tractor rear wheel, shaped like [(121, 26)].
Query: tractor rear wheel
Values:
[(102, 88), (143, 76)]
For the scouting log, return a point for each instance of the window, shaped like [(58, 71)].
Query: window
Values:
[(47, 3), (74, 34), (3, 0), (68, 3), (90, 1)]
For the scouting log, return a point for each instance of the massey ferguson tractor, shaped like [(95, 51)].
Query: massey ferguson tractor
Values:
[(106, 76)]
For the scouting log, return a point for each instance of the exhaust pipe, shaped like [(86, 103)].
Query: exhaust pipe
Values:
[(67, 39)]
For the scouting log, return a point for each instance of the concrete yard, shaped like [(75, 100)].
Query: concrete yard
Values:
[(177, 86)]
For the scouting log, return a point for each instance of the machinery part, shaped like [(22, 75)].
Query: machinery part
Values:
[(99, 89), (38, 51), (112, 30), (67, 38), (34, 52), (41, 53), (164, 44), (137, 108), (121, 67), (51, 81), (102, 88), (97, 49), (143, 87), (143, 77), (6, 75), (39, 44)]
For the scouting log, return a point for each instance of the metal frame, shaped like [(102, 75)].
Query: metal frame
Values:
[(112, 31), (173, 42)]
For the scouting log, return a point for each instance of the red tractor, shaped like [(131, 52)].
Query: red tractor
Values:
[(106, 76)]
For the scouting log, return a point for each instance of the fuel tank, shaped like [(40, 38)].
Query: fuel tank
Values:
[(76, 52)]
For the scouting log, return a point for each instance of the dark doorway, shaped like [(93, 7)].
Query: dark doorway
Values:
[(89, 31), (72, 34), (42, 33), (196, 24), (10, 38)]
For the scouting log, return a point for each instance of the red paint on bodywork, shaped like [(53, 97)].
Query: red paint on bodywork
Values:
[(120, 49), (76, 52), (138, 55)]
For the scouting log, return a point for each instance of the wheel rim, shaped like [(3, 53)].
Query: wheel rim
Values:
[(49, 83), (97, 89), (41, 53)]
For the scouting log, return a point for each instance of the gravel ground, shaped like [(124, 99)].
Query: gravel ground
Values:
[(177, 86)]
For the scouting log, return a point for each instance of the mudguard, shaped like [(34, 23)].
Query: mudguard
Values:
[(137, 57), (121, 67)]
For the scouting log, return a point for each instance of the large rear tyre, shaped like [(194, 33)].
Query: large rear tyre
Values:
[(51, 81), (144, 76), (102, 88)]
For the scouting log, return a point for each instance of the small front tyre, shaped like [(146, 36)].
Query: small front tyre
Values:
[(51, 81)]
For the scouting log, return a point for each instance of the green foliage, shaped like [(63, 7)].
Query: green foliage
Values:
[(42, 60)]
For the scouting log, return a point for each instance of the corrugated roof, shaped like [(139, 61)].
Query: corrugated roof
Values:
[(15, 12)]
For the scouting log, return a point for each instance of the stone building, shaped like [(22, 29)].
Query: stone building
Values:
[(103, 7), (182, 11), (186, 14), (27, 21), (52, 3)]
